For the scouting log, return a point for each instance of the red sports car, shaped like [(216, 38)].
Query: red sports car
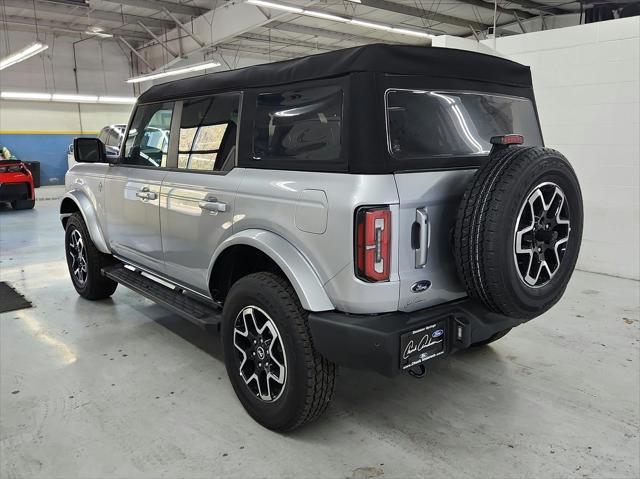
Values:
[(16, 185)]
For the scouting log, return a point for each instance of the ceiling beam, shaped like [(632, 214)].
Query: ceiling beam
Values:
[(320, 32), (217, 26), (269, 39), (541, 7), (20, 23), (509, 11), (116, 17), (423, 13), (256, 51), (135, 52), (170, 50), (156, 5), (182, 27)]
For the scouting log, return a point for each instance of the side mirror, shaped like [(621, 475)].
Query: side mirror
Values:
[(89, 150)]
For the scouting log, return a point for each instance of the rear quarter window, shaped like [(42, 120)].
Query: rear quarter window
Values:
[(441, 124), (299, 126)]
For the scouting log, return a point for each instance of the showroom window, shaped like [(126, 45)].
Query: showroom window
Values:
[(208, 131), (302, 124), (148, 139)]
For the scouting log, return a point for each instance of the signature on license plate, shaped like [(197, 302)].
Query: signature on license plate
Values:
[(423, 344)]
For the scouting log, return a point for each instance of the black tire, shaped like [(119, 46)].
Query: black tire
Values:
[(95, 285), (310, 378), (23, 204), (492, 338), (485, 231)]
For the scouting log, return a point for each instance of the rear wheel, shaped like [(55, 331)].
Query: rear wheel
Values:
[(518, 231), (85, 261), (23, 204), (280, 379)]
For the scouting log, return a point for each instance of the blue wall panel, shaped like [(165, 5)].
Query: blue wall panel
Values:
[(49, 149)]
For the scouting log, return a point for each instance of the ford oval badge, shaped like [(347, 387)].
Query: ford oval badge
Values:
[(437, 333), (421, 286)]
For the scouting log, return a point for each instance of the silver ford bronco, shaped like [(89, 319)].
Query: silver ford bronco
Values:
[(376, 208)]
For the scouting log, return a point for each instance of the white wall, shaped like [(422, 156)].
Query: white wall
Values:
[(102, 65), (102, 68), (38, 117), (587, 85)]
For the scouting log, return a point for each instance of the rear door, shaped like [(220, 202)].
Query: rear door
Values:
[(441, 131), (200, 192), (428, 205), (132, 188)]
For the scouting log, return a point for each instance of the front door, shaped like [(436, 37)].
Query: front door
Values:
[(200, 193), (132, 196)]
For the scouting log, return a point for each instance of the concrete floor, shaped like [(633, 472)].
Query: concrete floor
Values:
[(123, 388)]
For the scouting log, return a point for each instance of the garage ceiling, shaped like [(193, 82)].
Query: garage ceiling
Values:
[(288, 34)]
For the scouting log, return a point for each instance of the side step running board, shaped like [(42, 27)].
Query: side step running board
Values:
[(198, 312)]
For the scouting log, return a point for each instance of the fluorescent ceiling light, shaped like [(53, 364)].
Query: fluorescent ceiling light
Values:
[(176, 71), (326, 16), (99, 34), (377, 26), (23, 54), (17, 95), (98, 31), (67, 97), (117, 99), (278, 6), (338, 18), (74, 98)]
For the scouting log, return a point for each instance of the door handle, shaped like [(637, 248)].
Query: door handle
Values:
[(213, 205), (144, 194), (424, 236)]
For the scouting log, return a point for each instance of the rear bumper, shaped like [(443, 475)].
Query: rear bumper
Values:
[(373, 342), (15, 191)]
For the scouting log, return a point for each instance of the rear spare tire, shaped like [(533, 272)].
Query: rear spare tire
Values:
[(518, 231)]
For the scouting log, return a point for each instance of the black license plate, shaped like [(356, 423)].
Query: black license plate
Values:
[(422, 344)]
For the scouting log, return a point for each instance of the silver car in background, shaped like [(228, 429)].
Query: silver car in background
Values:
[(112, 137)]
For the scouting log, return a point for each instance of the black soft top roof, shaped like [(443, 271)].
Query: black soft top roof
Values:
[(376, 58)]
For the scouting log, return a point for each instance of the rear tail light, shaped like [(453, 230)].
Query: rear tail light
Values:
[(373, 243), (17, 168), (505, 140)]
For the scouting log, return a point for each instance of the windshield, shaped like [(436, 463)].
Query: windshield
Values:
[(428, 124)]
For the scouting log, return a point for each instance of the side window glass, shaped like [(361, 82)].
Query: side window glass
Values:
[(208, 130), (148, 140), (302, 125)]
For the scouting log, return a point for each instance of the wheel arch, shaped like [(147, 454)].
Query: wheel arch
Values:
[(267, 250), (76, 201)]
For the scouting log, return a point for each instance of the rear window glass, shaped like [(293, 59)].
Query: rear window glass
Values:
[(436, 124), (301, 124)]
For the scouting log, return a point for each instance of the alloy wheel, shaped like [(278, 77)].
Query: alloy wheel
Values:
[(541, 234), (261, 354), (78, 256)]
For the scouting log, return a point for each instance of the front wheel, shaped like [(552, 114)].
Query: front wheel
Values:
[(85, 261), (280, 379)]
